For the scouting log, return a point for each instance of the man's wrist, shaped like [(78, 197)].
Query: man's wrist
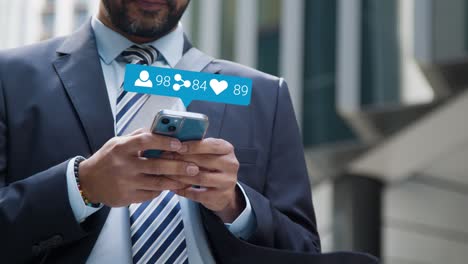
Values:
[(80, 176), (234, 208), (80, 210), (245, 224)]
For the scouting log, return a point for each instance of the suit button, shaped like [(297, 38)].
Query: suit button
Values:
[(52, 242), (36, 250), (57, 240)]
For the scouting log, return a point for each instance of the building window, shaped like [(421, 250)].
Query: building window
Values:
[(268, 35), (48, 20), (321, 123), (227, 29), (81, 13)]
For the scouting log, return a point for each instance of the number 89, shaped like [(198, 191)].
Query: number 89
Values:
[(238, 90)]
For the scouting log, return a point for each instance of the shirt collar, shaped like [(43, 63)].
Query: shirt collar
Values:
[(110, 43)]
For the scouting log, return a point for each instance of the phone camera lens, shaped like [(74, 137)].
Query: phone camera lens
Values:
[(165, 121), (171, 128)]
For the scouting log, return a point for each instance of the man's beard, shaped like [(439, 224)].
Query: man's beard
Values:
[(160, 24)]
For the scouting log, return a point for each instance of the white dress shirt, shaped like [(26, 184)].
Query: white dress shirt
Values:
[(114, 244)]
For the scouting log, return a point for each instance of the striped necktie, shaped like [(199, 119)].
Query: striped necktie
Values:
[(156, 227)]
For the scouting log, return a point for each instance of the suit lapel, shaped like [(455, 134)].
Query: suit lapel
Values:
[(79, 69)]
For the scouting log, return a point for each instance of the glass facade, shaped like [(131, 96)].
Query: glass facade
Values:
[(268, 36), (321, 123), (48, 20), (380, 82), (228, 27)]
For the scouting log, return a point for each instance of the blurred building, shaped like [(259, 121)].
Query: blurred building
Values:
[(379, 91), (28, 21)]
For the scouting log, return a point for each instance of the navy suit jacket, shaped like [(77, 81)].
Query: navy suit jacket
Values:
[(54, 106)]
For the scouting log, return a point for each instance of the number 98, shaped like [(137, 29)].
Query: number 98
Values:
[(163, 80)]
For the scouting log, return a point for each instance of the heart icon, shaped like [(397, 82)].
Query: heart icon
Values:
[(218, 86)]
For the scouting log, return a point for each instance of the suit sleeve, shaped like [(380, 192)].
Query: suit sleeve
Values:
[(284, 212), (29, 225)]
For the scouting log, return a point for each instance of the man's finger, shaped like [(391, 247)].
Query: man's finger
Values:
[(195, 194), (168, 155), (166, 167), (157, 183), (138, 131), (206, 146), (203, 178), (209, 161), (146, 140)]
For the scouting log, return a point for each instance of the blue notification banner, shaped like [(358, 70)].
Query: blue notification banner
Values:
[(187, 85)]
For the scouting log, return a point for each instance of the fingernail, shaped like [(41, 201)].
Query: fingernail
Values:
[(175, 144), (183, 149), (192, 170)]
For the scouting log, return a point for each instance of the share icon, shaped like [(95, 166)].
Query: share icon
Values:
[(177, 86)]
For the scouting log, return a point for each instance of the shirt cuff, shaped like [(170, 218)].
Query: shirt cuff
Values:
[(245, 224), (79, 208)]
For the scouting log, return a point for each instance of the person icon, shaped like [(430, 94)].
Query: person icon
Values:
[(144, 80)]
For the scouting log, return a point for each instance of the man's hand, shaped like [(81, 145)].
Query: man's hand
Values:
[(117, 176), (217, 177)]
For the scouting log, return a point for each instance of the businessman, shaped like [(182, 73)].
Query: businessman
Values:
[(75, 189)]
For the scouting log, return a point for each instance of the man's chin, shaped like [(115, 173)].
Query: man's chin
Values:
[(147, 29)]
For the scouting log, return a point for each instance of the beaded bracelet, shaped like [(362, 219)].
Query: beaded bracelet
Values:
[(76, 166)]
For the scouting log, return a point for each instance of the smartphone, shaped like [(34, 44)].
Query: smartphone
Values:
[(184, 126)]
